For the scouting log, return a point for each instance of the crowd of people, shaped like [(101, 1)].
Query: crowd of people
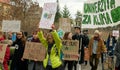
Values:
[(53, 44)]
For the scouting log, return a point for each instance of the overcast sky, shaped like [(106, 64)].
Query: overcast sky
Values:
[(73, 5)]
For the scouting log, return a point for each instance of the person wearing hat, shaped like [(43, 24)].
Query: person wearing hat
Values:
[(78, 36), (96, 47)]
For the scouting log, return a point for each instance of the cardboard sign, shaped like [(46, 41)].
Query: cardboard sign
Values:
[(65, 24), (86, 52), (48, 15), (70, 49), (11, 26), (2, 52), (34, 51), (116, 33)]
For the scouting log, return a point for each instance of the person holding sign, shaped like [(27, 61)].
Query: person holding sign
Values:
[(7, 53), (53, 44), (18, 63), (68, 36), (35, 64), (78, 36)]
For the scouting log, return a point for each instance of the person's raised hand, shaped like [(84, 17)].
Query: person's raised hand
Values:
[(53, 27)]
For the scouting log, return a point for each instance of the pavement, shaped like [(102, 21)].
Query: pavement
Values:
[(87, 67)]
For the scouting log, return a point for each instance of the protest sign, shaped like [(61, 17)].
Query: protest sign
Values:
[(2, 52), (70, 49), (101, 13), (86, 54), (11, 26), (48, 15), (116, 33), (65, 24), (34, 51)]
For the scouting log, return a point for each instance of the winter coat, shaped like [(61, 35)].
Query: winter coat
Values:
[(17, 63), (100, 48), (117, 54), (54, 57), (6, 58)]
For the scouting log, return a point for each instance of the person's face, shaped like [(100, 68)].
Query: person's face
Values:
[(70, 36), (19, 35), (35, 36), (110, 34), (96, 35), (85, 33), (50, 39), (77, 30)]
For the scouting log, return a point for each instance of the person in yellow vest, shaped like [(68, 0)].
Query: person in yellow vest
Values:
[(53, 45)]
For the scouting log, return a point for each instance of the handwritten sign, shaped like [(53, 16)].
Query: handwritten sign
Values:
[(34, 51), (11, 26), (2, 52), (48, 15), (70, 49), (65, 24)]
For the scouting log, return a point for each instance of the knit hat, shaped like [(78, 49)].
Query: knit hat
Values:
[(97, 32)]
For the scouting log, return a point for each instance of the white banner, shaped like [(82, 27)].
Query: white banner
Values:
[(101, 13), (11, 26), (48, 15)]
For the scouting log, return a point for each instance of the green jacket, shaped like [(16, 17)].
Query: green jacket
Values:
[(54, 57)]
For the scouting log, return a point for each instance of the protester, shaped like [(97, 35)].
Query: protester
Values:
[(78, 36), (96, 47), (18, 63), (111, 41), (117, 54), (34, 64), (9, 35), (68, 36), (7, 53), (53, 45), (85, 42)]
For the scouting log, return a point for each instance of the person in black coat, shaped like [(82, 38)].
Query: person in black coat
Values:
[(18, 63), (85, 41), (78, 36), (111, 41)]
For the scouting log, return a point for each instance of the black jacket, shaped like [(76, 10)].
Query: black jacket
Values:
[(79, 38), (17, 63)]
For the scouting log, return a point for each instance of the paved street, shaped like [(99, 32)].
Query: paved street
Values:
[(87, 67), (83, 67)]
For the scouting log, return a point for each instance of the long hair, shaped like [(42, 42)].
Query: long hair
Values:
[(66, 35), (23, 39), (47, 37)]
